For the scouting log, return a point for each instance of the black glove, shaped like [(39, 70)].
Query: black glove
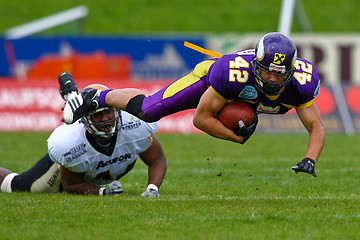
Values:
[(245, 131), (67, 86), (81, 105), (307, 165), (91, 98)]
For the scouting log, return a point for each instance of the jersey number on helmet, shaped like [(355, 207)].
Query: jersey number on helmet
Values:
[(236, 74)]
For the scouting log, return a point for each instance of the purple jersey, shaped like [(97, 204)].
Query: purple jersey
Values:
[(232, 77)]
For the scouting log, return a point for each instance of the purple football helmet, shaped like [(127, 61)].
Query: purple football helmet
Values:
[(275, 53)]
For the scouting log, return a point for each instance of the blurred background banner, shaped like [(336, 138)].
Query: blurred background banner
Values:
[(35, 106), (162, 57), (136, 58), (120, 45)]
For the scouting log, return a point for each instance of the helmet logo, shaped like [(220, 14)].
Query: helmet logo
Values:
[(260, 53), (279, 58)]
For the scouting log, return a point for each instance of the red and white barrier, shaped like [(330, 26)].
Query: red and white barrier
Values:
[(36, 106)]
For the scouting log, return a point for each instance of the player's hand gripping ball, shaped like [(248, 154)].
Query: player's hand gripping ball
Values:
[(233, 112)]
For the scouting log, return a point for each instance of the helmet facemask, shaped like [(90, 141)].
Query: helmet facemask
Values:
[(268, 87), (100, 128)]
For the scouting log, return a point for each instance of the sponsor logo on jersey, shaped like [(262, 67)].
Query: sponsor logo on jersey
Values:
[(131, 125), (267, 109), (249, 92), (75, 152), (120, 159)]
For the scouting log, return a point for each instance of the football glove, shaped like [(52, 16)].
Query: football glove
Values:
[(245, 131), (151, 191), (307, 165), (113, 188), (81, 105), (68, 87)]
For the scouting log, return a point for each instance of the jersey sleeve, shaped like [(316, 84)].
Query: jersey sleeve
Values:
[(307, 81), (61, 147), (229, 75), (130, 123), (139, 131), (218, 75)]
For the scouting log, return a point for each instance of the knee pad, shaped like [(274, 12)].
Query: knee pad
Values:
[(134, 105)]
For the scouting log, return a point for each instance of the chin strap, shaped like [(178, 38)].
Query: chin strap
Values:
[(202, 50)]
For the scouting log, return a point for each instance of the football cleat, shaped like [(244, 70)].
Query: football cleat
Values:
[(68, 87)]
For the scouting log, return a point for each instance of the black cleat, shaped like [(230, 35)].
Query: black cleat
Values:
[(67, 84)]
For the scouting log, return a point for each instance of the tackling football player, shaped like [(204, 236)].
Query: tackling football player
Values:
[(98, 149), (270, 77)]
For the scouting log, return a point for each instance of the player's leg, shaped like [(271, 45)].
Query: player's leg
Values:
[(44, 176), (3, 173), (6, 177), (182, 94)]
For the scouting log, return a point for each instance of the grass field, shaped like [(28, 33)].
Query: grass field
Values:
[(177, 16), (213, 190)]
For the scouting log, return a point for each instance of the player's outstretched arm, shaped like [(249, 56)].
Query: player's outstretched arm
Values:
[(311, 119), (154, 157), (74, 183)]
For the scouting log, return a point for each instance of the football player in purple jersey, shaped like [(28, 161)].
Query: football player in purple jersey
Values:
[(270, 77), (91, 155)]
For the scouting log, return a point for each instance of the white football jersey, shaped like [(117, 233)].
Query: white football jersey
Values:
[(69, 147)]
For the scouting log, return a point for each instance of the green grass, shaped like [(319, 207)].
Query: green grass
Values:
[(178, 16), (213, 190)]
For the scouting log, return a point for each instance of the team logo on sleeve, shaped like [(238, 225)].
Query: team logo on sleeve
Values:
[(249, 92), (317, 90), (279, 58)]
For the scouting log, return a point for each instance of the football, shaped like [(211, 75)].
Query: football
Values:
[(233, 112)]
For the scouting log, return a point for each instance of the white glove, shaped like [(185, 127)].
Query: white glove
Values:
[(151, 191), (70, 107), (113, 188)]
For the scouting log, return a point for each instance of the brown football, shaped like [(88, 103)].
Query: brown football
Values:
[(233, 112)]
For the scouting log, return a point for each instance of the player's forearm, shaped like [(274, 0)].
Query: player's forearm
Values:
[(82, 188), (215, 128), (157, 171), (316, 143)]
